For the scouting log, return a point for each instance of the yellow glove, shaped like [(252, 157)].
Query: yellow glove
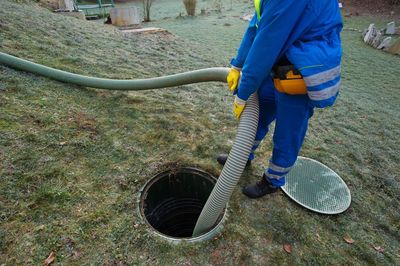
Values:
[(233, 79), (238, 107)]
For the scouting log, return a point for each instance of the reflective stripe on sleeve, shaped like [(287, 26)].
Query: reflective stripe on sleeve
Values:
[(322, 77), (325, 93), (239, 101), (276, 168), (237, 68)]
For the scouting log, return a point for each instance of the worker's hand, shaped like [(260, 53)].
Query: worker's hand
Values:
[(233, 79), (238, 107)]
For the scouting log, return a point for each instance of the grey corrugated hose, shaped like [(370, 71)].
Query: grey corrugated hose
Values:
[(233, 168), (237, 159)]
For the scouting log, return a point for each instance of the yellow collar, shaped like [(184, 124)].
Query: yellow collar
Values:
[(257, 5)]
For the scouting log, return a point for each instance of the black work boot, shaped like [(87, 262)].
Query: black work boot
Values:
[(221, 159), (259, 189)]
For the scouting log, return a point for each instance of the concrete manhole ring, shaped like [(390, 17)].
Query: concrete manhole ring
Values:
[(171, 202)]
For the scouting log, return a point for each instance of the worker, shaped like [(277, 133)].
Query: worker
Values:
[(290, 56)]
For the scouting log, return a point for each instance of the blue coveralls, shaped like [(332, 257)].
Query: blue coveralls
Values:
[(307, 33)]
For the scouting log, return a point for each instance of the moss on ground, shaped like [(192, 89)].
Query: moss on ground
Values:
[(72, 159)]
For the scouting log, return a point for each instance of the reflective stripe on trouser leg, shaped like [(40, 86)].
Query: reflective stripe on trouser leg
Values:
[(276, 178), (293, 112), (276, 174)]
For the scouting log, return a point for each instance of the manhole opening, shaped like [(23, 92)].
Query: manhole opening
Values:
[(171, 202)]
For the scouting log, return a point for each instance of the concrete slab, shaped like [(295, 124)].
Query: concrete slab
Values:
[(144, 30)]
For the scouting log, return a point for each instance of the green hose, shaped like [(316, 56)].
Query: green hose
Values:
[(237, 159), (202, 75)]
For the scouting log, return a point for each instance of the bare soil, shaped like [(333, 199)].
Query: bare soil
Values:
[(381, 8)]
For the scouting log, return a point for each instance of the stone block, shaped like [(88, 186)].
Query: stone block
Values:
[(385, 44), (122, 17), (391, 28), (67, 5), (395, 48), (377, 39), (370, 34)]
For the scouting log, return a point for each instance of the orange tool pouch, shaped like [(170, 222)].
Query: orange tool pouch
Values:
[(288, 80)]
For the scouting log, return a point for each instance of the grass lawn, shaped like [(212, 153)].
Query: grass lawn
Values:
[(73, 159)]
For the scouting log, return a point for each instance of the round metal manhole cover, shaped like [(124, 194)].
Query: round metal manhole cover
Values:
[(316, 187)]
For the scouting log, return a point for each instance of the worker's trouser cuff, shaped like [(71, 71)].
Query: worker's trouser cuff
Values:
[(276, 174), (276, 182)]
